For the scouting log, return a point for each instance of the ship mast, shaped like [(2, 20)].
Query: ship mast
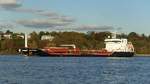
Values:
[(114, 34)]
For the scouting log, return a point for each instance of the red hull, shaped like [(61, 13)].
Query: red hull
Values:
[(75, 52), (85, 53)]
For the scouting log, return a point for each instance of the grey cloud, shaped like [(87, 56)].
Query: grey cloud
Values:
[(25, 10), (9, 4), (48, 14), (67, 19), (6, 25), (93, 28), (53, 19), (53, 15), (42, 23)]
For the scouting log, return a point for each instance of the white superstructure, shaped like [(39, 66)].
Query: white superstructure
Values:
[(118, 45)]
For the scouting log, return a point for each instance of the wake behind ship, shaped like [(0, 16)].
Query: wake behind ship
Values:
[(114, 47)]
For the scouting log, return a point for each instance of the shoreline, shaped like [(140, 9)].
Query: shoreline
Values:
[(142, 55)]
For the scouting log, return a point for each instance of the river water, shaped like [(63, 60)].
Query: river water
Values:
[(74, 70)]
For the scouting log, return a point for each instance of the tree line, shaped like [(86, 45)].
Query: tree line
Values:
[(89, 40)]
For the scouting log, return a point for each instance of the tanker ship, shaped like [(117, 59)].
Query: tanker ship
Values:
[(114, 47)]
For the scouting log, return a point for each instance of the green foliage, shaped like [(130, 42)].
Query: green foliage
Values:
[(34, 40)]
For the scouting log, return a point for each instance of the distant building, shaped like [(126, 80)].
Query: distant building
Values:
[(7, 36), (20, 36), (47, 37)]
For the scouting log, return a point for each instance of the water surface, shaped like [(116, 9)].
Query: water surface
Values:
[(74, 70)]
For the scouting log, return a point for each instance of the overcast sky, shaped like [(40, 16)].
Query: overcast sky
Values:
[(80, 15)]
